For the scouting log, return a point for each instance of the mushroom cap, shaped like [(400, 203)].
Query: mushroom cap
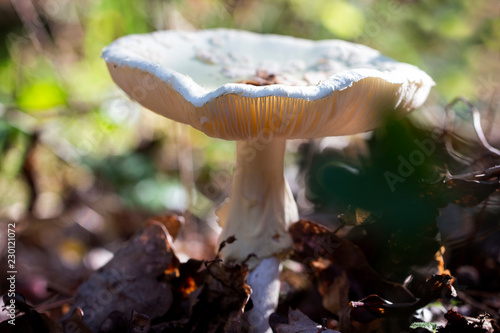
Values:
[(325, 88)]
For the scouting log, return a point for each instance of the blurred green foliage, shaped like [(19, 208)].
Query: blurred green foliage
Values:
[(386, 182), (53, 81)]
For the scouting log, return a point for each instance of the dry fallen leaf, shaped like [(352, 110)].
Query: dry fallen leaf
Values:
[(173, 223), (131, 281), (459, 323), (221, 299), (318, 247)]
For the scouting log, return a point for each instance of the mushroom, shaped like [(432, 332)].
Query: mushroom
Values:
[(292, 89)]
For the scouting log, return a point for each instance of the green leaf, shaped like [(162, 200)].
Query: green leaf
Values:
[(41, 95), (428, 326)]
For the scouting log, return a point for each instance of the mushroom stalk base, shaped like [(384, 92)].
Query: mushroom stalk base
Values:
[(264, 280), (261, 206)]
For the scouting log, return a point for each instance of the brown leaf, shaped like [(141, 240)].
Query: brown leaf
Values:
[(264, 78), (318, 247), (356, 216), (339, 266), (190, 278), (334, 287), (459, 323), (437, 286), (173, 223), (132, 280), (221, 300)]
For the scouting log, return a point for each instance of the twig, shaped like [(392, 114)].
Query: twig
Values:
[(476, 119), (490, 116), (52, 305), (450, 116), (338, 228), (29, 172), (493, 172)]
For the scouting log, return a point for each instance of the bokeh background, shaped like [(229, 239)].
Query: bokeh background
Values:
[(82, 166)]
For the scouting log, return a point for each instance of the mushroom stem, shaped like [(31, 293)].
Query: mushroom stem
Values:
[(259, 211), (261, 206), (265, 283)]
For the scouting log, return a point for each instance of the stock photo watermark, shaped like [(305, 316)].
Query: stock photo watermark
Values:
[(11, 273), (408, 164)]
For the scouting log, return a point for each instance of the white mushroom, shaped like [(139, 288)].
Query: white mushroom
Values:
[(188, 78)]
